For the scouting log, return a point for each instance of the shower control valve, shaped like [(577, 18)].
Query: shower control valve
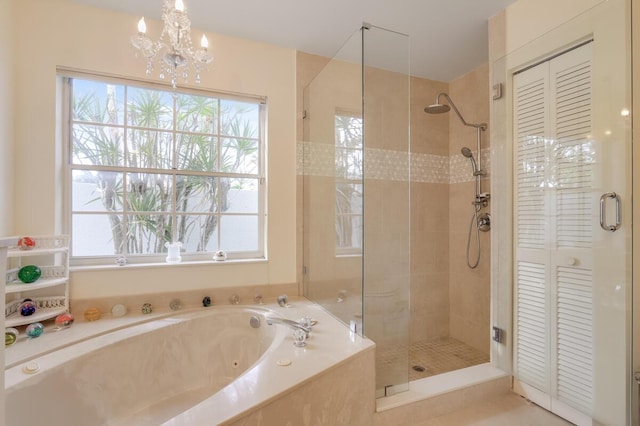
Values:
[(482, 199)]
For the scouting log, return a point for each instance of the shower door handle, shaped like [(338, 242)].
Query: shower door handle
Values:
[(603, 212)]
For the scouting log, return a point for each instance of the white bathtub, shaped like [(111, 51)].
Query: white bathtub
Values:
[(207, 366)]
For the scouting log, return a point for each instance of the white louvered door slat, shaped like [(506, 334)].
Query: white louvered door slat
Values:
[(532, 365), (553, 221), (531, 233), (571, 88)]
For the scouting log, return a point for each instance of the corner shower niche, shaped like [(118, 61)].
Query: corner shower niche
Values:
[(50, 292)]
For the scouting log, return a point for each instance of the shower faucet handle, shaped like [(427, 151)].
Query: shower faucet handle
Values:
[(482, 199)]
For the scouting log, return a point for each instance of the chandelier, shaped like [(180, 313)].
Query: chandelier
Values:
[(173, 52)]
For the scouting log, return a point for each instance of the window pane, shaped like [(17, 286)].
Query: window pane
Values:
[(196, 114), (348, 163), (147, 233), (348, 215), (198, 233), (242, 195), (96, 191), (239, 156), (149, 108), (239, 233), (98, 102), (149, 192), (239, 119), (96, 234), (97, 145), (149, 149), (197, 194), (197, 152), (348, 131)]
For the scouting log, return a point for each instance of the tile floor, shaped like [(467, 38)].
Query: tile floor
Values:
[(505, 410), (441, 356), (434, 357)]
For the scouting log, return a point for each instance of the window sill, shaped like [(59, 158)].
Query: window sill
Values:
[(84, 268)]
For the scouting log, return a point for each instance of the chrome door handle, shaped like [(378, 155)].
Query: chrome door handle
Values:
[(603, 213)]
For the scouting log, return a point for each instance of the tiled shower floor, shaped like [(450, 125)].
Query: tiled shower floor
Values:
[(436, 357)]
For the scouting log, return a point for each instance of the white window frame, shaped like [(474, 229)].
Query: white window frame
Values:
[(64, 79)]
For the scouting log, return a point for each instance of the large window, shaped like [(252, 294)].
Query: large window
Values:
[(150, 166), (349, 166)]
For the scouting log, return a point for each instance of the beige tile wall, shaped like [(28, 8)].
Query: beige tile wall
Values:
[(469, 289), (429, 220)]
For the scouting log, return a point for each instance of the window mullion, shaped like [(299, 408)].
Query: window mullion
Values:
[(125, 176), (174, 180)]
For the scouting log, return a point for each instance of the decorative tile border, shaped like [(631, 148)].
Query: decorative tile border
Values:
[(318, 159)]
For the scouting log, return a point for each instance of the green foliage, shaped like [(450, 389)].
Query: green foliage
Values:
[(206, 137)]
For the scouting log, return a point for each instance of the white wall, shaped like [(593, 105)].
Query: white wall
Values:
[(60, 33), (527, 20), (6, 118)]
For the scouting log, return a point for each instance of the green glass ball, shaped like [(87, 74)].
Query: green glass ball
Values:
[(28, 274)]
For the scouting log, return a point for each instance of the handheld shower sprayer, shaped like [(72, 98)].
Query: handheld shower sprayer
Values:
[(467, 153)]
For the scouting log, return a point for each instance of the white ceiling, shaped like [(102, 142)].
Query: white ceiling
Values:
[(447, 37)]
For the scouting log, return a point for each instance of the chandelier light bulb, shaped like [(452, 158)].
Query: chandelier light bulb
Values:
[(179, 6), (204, 43), (142, 26)]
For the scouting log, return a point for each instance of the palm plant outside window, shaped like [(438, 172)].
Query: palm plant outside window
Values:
[(150, 166)]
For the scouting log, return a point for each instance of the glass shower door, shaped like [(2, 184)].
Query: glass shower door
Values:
[(387, 204), (356, 195)]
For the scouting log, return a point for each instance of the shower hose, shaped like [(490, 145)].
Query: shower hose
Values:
[(474, 220)]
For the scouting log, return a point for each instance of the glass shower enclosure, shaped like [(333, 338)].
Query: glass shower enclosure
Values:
[(356, 194)]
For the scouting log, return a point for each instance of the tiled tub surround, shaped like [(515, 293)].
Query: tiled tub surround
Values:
[(167, 367)]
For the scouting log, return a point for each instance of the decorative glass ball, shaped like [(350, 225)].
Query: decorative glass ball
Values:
[(92, 314), (147, 308), (64, 320), (27, 307), (26, 243), (35, 330), (119, 310), (28, 274), (10, 336)]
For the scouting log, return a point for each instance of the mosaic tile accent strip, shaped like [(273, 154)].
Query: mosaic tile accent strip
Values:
[(428, 168), (384, 164), (315, 159), (318, 159)]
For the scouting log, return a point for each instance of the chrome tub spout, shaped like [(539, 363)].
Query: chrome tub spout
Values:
[(292, 324)]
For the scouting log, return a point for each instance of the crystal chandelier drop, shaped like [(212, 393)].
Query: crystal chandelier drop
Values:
[(173, 52)]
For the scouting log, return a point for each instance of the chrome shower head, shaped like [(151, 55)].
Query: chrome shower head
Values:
[(466, 152), (437, 109)]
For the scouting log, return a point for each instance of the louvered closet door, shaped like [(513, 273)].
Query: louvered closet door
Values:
[(554, 220)]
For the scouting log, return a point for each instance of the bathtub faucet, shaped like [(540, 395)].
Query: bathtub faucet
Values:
[(300, 331), (293, 324)]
